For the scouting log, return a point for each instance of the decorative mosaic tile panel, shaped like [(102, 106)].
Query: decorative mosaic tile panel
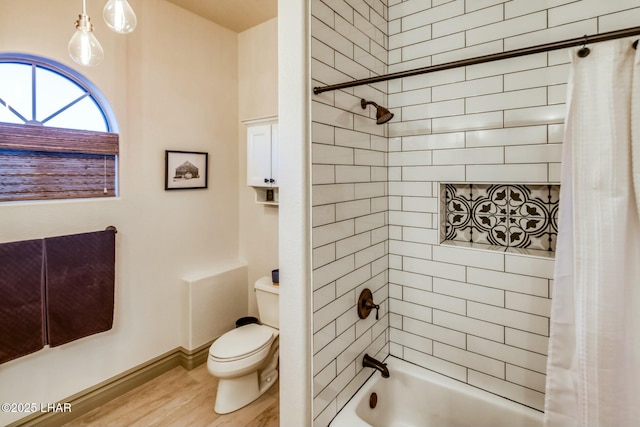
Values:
[(505, 215)]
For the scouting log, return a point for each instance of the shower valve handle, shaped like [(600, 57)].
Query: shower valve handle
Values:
[(366, 304), (371, 305)]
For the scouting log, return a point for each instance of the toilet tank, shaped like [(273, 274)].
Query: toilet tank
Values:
[(268, 297)]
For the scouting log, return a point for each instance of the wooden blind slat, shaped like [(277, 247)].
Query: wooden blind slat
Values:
[(54, 195), (40, 138), (51, 163), (44, 176)]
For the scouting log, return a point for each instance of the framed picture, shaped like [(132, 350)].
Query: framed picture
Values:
[(185, 170)]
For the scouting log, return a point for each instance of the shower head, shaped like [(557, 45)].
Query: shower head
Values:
[(382, 114)]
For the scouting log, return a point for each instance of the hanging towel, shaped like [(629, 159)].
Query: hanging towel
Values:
[(80, 271), (21, 299)]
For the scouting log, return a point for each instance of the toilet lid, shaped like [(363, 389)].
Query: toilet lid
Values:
[(241, 341)]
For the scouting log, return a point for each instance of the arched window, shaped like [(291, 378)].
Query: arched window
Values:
[(58, 135)]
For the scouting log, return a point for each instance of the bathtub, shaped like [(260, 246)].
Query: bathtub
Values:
[(416, 397)]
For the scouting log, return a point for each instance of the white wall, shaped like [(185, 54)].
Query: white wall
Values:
[(173, 85), (481, 317), (477, 316), (294, 93), (349, 199)]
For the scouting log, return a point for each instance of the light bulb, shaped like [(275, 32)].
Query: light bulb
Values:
[(119, 16), (84, 47)]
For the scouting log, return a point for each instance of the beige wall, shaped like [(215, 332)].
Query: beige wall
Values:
[(173, 85), (258, 95)]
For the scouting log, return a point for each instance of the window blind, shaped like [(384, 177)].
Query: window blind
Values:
[(41, 163)]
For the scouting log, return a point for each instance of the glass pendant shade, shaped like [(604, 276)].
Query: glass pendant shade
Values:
[(83, 47), (119, 16)]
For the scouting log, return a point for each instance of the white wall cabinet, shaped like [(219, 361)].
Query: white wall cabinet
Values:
[(263, 159)]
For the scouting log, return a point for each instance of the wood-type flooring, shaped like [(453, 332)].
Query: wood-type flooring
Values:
[(180, 398)]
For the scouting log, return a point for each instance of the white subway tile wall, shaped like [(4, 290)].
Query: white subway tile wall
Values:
[(349, 197), (479, 316)]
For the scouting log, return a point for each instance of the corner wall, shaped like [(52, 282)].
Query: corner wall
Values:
[(294, 93), (258, 97)]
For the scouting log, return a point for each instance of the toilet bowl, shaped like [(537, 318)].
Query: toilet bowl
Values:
[(245, 359)]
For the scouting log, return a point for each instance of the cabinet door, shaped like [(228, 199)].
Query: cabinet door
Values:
[(259, 155), (275, 155)]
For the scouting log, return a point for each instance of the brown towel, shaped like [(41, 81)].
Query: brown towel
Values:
[(21, 299), (80, 271)]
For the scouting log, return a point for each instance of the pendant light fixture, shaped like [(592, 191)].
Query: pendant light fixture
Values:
[(119, 16), (84, 47)]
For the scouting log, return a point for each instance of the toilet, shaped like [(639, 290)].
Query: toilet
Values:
[(245, 359)]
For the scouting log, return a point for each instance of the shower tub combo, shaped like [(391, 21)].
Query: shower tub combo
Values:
[(416, 397)]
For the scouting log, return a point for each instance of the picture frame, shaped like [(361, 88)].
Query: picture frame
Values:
[(186, 170)]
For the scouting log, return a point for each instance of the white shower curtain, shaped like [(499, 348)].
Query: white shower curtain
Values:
[(593, 370)]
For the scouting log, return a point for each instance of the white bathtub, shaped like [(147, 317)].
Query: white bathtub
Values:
[(416, 397)]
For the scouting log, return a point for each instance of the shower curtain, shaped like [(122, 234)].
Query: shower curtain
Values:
[(593, 369)]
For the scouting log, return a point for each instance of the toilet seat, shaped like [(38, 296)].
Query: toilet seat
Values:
[(241, 343)]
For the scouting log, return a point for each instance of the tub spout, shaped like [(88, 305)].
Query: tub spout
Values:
[(370, 362)]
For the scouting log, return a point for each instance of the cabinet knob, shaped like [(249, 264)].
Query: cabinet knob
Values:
[(272, 180), (266, 180)]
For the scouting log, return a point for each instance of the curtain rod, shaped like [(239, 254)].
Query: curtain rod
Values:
[(586, 39)]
